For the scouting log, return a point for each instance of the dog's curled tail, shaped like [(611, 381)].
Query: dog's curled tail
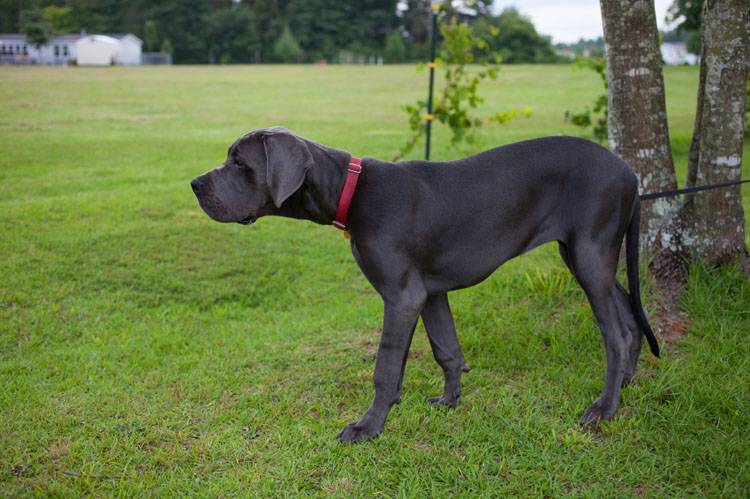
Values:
[(634, 286)]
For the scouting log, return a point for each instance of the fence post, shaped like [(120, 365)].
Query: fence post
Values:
[(428, 117)]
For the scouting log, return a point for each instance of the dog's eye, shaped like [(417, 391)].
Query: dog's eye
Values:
[(247, 172), (237, 160)]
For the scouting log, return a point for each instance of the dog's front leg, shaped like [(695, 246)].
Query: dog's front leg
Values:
[(401, 313), (441, 331)]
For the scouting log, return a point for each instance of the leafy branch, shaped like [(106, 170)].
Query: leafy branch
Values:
[(459, 94), (598, 115)]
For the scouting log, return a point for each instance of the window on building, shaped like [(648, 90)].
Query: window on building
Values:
[(65, 50), (57, 51)]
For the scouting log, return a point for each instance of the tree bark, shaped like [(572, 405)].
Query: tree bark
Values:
[(637, 111), (717, 219)]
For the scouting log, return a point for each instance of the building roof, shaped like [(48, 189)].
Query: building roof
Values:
[(120, 36), (99, 39), (21, 38)]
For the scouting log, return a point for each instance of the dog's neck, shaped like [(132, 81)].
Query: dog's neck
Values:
[(319, 195)]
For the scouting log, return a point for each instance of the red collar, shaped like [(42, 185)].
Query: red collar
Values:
[(347, 193)]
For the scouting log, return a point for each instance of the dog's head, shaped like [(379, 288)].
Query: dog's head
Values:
[(262, 170)]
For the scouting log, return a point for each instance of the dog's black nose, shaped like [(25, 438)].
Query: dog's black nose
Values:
[(197, 185)]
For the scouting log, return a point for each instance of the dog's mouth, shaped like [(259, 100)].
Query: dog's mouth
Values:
[(247, 220)]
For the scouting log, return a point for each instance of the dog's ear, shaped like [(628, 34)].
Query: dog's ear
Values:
[(287, 162)]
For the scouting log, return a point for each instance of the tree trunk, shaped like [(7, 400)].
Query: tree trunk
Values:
[(716, 221), (710, 226), (637, 111), (694, 155)]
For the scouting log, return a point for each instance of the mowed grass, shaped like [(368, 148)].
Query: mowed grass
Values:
[(145, 349)]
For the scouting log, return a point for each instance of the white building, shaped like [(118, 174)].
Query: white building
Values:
[(14, 49), (97, 50), (61, 50), (676, 53), (130, 50)]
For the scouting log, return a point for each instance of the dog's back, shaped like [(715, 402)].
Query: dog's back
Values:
[(497, 204)]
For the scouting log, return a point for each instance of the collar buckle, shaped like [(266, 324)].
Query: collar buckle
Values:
[(347, 193)]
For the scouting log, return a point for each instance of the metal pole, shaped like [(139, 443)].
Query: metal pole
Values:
[(428, 117)]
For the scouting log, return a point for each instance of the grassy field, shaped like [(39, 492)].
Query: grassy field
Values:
[(147, 349)]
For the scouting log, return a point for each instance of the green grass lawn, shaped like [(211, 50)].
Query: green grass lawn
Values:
[(146, 349)]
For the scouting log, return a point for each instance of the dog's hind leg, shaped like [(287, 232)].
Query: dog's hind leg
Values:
[(594, 268), (441, 331), (630, 328)]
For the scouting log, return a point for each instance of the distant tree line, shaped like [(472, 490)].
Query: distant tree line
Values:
[(268, 31)]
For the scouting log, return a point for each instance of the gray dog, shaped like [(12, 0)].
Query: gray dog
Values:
[(420, 229)]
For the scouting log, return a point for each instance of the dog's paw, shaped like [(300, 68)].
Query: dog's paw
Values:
[(442, 400), (596, 412), (354, 432)]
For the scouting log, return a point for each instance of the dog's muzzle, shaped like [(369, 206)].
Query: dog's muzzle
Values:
[(198, 186)]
